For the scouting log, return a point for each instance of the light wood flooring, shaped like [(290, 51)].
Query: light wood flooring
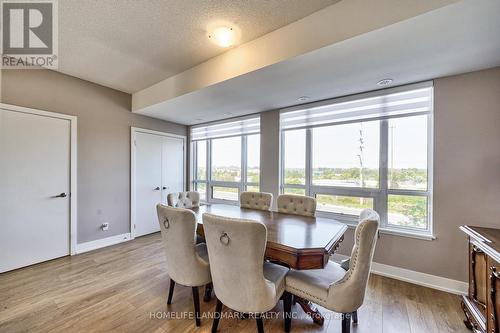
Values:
[(121, 288)]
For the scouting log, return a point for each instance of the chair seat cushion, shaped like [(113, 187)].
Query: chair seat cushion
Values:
[(276, 274), (201, 250), (313, 284)]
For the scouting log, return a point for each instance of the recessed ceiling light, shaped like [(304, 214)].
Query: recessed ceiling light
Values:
[(384, 82), (223, 36), (228, 114), (303, 98)]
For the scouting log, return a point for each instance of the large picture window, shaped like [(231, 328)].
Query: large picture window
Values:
[(367, 151), (226, 159)]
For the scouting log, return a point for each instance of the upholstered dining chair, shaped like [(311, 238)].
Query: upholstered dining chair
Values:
[(256, 200), (333, 287), (189, 199), (296, 204), (187, 262), (242, 280)]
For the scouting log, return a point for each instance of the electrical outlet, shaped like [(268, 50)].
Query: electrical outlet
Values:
[(105, 226)]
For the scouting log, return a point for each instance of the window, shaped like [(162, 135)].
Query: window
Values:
[(294, 161), (253, 160), (226, 159), (407, 162), (372, 150), (225, 193), (352, 156), (343, 204), (406, 210), (201, 169)]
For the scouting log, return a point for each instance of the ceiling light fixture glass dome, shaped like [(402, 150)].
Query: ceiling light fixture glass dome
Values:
[(223, 36)]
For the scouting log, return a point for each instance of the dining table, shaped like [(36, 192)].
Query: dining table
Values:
[(295, 241)]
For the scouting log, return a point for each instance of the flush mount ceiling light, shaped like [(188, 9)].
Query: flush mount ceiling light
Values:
[(223, 36), (228, 114), (303, 98), (384, 82)]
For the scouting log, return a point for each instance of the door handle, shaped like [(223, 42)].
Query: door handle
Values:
[(62, 195), (165, 188), (157, 188)]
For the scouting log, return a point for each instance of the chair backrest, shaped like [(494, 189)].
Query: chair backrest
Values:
[(189, 199), (256, 200), (347, 294), (178, 229), (296, 204), (236, 250)]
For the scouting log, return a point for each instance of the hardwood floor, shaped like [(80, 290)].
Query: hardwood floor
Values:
[(124, 288)]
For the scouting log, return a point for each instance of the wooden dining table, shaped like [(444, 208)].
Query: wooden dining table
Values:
[(298, 242)]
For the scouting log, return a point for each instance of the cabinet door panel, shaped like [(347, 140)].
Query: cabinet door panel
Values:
[(478, 278), (494, 301)]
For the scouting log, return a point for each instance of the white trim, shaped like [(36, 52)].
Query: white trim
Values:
[(133, 132), (418, 278), (103, 242), (73, 197)]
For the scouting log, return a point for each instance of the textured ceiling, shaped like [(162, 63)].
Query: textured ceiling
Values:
[(409, 51), (131, 44)]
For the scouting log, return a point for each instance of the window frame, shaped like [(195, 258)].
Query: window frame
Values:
[(209, 183), (380, 195)]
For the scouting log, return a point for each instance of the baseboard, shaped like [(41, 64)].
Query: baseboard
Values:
[(422, 279), (103, 242)]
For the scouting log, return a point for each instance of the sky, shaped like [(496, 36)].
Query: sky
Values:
[(227, 151), (337, 146)]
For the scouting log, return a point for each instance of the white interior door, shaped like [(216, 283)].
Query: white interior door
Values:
[(34, 188), (173, 166), (159, 170), (148, 182)]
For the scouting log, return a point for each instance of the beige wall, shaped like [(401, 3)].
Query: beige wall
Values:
[(270, 153), (104, 121), (466, 174)]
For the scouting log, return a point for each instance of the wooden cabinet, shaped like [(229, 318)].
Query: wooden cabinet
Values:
[(494, 290), (482, 304)]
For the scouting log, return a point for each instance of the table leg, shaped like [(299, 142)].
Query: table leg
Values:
[(310, 310)]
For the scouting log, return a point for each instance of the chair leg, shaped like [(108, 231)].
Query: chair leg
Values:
[(196, 300), (287, 305), (355, 317), (217, 315), (207, 297), (346, 323), (260, 324), (171, 291)]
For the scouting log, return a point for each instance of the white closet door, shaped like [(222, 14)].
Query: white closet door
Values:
[(148, 186), (34, 189), (173, 166)]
